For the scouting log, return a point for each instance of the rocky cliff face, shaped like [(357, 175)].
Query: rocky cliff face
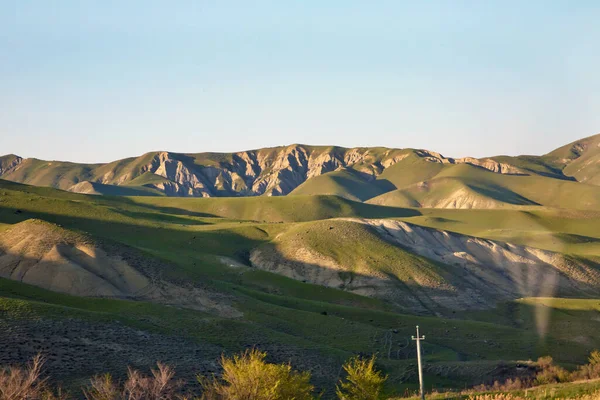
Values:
[(271, 172)]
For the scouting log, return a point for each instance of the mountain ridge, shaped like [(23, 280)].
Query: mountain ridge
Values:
[(282, 170)]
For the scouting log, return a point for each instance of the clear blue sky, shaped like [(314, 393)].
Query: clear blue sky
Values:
[(100, 80)]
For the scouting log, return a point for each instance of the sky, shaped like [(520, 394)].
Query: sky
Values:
[(95, 81)]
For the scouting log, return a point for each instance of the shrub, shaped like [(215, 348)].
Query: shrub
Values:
[(550, 373), (26, 383), (159, 386), (102, 387), (590, 370), (363, 382), (594, 358), (249, 377)]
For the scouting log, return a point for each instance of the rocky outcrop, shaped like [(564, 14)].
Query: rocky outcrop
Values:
[(8, 163), (487, 163), (271, 172)]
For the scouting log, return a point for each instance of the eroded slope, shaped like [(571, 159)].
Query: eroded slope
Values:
[(48, 256), (422, 269)]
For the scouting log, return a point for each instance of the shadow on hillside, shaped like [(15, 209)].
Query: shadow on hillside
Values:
[(503, 194), (159, 217), (184, 247), (162, 209), (459, 288)]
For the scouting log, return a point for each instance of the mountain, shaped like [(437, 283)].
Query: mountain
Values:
[(391, 177)]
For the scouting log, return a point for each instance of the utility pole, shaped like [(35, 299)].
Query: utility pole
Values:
[(418, 339)]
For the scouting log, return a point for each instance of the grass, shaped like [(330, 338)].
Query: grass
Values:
[(147, 178), (344, 183), (358, 247), (114, 190), (572, 390), (561, 230), (474, 187), (570, 321), (277, 209)]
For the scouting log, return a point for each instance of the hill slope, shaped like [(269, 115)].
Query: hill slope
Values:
[(46, 255), (422, 269), (467, 186), (345, 183)]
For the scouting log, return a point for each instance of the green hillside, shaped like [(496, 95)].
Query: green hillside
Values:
[(574, 161), (278, 209), (87, 187), (466, 186), (410, 170), (345, 183), (562, 230)]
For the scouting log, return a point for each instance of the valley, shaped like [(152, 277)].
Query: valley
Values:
[(311, 254)]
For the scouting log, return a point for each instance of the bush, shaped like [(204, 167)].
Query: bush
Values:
[(249, 377), (550, 373), (590, 370), (594, 358), (26, 383), (363, 382), (159, 386)]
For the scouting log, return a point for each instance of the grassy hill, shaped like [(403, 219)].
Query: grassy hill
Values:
[(574, 161), (87, 187), (345, 183), (467, 186), (561, 230), (278, 209)]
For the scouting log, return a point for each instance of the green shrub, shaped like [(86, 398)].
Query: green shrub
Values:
[(362, 382), (594, 358), (249, 377)]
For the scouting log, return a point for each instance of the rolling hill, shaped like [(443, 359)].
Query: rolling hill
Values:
[(467, 186)]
